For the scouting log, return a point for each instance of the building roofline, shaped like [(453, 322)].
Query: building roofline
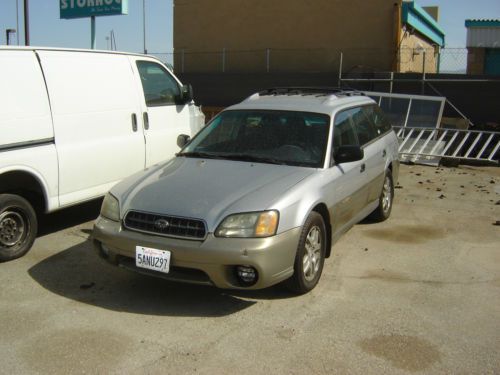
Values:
[(482, 23), (415, 16)]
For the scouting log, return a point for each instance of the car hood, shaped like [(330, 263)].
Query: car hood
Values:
[(207, 189)]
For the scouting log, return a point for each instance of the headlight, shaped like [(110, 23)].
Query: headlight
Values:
[(110, 208), (254, 224)]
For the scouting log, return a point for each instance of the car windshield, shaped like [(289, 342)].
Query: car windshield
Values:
[(275, 137)]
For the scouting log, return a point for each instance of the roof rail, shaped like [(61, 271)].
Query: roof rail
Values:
[(317, 91)]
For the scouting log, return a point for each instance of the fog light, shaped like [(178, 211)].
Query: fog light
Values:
[(247, 275)]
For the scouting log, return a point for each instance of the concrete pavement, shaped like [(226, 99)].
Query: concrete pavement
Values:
[(419, 293)]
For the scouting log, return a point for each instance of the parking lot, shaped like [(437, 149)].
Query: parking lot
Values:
[(418, 293)]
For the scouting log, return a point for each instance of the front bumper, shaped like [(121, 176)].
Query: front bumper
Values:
[(211, 261)]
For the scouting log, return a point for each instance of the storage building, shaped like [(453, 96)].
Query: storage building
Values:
[(305, 36)]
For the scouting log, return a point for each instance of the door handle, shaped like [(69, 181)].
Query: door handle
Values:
[(134, 122), (384, 153), (363, 167), (145, 117)]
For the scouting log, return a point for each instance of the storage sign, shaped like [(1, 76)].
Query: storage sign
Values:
[(89, 8)]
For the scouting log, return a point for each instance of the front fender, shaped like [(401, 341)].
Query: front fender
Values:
[(296, 205)]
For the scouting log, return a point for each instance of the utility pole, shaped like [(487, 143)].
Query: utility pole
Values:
[(17, 21), (144, 25), (26, 23), (92, 32)]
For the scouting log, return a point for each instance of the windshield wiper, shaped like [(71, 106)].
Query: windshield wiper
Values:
[(239, 157), (257, 159), (197, 154)]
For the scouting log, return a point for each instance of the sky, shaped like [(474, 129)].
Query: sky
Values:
[(47, 29), (453, 14)]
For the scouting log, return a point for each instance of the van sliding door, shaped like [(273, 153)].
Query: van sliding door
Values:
[(95, 112)]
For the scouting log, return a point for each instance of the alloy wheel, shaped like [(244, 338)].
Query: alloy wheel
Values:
[(312, 256), (387, 195)]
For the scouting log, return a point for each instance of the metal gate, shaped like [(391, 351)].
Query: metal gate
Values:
[(429, 145)]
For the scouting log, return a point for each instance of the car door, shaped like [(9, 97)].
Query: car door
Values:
[(347, 179), (374, 125), (163, 117)]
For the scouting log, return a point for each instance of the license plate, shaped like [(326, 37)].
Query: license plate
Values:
[(152, 259)]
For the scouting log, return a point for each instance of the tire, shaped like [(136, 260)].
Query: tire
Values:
[(383, 211), (18, 226), (310, 256)]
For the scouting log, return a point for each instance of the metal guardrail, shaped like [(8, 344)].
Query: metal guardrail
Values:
[(429, 145)]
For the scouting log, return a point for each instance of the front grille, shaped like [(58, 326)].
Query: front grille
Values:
[(165, 225)]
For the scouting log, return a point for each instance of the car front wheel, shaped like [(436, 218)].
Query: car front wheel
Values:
[(18, 226), (310, 256)]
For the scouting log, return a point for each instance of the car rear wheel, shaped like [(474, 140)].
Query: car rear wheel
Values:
[(18, 226), (383, 211), (310, 256)]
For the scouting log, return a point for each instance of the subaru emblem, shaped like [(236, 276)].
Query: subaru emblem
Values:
[(161, 224)]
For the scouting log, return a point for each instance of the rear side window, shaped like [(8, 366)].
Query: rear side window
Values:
[(160, 88), (378, 118), (365, 130), (343, 130)]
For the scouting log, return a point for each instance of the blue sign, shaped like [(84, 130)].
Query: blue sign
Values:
[(89, 8)]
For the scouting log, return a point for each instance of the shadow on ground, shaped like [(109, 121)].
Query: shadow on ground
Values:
[(79, 274), (68, 217)]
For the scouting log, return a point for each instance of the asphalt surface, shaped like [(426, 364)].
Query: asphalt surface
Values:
[(419, 293)]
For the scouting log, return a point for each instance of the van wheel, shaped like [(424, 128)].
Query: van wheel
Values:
[(310, 256), (18, 226), (383, 211)]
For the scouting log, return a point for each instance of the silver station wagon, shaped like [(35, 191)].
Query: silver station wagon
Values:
[(259, 195)]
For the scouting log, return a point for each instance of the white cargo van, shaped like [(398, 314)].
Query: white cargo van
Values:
[(75, 122)]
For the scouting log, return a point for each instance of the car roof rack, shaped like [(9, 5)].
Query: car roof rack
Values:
[(316, 91)]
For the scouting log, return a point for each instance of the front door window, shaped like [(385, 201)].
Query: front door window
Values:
[(160, 88)]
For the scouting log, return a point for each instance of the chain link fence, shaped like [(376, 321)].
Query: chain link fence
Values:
[(433, 60), (445, 60), (254, 61), (453, 60)]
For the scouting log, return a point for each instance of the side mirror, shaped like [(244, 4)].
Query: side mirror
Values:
[(182, 140), (347, 154), (186, 93)]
